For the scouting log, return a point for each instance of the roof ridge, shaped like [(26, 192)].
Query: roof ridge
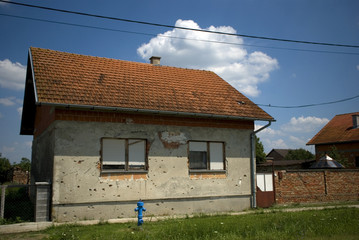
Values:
[(115, 59), (77, 79), (347, 114)]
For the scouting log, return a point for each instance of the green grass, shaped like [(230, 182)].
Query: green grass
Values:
[(338, 223)]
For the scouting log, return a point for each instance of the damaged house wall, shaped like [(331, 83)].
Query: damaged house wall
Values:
[(81, 190), (109, 132)]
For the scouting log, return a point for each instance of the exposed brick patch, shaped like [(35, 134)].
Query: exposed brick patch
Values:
[(123, 176), (208, 175)]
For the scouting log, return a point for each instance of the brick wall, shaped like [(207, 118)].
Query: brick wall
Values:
[(316, 186)]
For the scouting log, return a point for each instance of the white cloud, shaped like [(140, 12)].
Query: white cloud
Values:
[(268, 131), (279, 143), (358, 67), (19, 110), (304, 124), (7, 150), (28, 144), (232, 62), (12, 75), (10, 101), (297, 141), (293, 134)]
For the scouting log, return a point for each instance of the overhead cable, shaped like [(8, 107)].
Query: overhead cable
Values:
[(183, 28), (172, 37), (310, 105)]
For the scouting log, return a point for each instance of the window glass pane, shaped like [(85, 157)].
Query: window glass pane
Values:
[(136, 153), (113, 153), (198, 146), (216, 156), (197, 160)]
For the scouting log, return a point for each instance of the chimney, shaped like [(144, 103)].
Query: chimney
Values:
[(155, 60), (355, 121)]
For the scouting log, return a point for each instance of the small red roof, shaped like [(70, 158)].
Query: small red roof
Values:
[(338, 130), (73, 79)]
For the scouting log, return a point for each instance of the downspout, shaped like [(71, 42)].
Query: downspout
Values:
[(253, 164)]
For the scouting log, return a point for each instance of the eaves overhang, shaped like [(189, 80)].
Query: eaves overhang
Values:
[(150, 111)]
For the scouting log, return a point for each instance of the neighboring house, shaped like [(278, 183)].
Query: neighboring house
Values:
[(277, 154), (108, 132), (20, 176), (269, 166), (343, 133)]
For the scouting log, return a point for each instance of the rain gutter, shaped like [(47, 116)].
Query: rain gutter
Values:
[(253, 164)]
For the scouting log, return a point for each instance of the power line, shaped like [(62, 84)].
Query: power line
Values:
[(183, 28), (172, 37), (310, 105)]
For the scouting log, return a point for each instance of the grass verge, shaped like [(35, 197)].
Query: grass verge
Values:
[(338, 223)]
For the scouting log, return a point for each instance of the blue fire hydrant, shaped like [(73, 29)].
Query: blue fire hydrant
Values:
[(139, 209)]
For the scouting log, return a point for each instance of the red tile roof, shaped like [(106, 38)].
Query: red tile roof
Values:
[(65, 78), (338, 130)]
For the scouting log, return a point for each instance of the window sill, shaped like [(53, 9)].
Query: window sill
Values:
[(124, 172), (206, 171)]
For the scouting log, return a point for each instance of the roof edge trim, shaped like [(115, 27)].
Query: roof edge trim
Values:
[(33, 76), (332, 143), (133, 110)]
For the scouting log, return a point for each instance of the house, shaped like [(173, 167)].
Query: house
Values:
[(275, 160), (343, 133), (20, 176), (277, 154), (108, 132), (269, 166)]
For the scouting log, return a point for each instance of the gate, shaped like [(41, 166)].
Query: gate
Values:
[(25, 202), (265, 190)]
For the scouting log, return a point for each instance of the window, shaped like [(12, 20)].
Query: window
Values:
[(206, 155), (123, 154)]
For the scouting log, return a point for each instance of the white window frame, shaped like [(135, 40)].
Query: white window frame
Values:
[(123, 154), (214, 155)]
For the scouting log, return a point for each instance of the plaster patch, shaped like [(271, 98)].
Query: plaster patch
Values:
[(172, 139)]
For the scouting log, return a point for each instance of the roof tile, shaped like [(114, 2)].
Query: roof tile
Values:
[(338, 130), (67, 78)]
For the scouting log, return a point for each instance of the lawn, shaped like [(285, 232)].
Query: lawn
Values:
[(338, 223)]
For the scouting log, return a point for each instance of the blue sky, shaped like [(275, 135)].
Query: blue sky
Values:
[(268, 72)]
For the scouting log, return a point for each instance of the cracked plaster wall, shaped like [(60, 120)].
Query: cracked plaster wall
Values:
[(81, 192)]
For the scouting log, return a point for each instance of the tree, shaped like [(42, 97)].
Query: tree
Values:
[(334, 153), (260, 154), (24, 165), (5, 169), (299, 154)]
